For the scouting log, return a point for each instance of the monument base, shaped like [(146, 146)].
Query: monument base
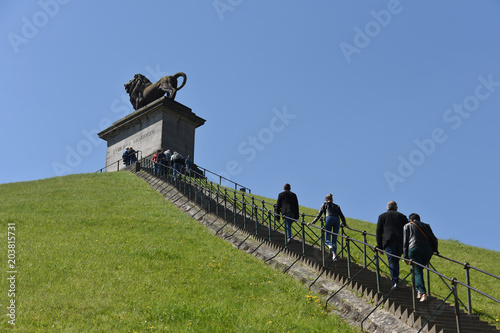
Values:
[(163, 123)]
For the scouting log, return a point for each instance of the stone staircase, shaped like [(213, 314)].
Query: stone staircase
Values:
[(399, 303)]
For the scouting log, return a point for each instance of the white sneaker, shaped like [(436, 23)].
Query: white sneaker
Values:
[(334, 257)]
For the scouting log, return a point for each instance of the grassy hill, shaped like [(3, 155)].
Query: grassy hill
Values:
[(106, 253)]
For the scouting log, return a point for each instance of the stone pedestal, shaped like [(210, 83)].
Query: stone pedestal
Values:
[(163, 123)]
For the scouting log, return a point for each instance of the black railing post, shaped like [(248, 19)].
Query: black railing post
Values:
[(244, 209), (235, 207), (255, 216), (202, 195), (252, 217), (209, 204), (323, 235), (457, 306), (225, 204), (467, 279), (263, 212), (256, 220), (377, 265), (182, 179), (217, 198), (303, 234), (413, 287), (364, 248), (428, 275), (274, 210), (270, 217), (190, 186), (342, 232), (348, 244)]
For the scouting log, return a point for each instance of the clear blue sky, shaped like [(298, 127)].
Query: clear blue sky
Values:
[(369, 100)]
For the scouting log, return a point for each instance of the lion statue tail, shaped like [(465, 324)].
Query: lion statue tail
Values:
[(184, 78)]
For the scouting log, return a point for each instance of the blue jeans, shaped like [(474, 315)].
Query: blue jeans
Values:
[(177, 170), (394, 262), (332, 224), (288, 228), (422, 255)]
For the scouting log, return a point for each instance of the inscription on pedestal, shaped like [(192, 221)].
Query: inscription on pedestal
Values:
[(161, 124)]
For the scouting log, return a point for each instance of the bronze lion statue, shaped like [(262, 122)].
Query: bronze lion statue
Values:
[(143, 92)]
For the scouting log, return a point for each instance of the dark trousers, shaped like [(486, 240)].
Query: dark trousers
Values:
[(396, 250), (422, 255)]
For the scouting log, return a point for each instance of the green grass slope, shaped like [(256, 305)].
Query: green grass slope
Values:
[(106, 253)]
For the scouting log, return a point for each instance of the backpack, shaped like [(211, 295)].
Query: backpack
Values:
[(433, 241)]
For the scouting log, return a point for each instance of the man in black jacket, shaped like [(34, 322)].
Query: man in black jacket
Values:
[(390, 237), (288, 206)]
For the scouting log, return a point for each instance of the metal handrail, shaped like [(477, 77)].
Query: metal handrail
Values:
[(204, 174), (137, 152), (467, 266), (373, 247), (107, 166), (247, 205), (236, 185), (369, 245)]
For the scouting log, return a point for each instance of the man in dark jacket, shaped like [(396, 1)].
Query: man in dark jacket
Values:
[(126, 156), (390, 237), (288, 206)]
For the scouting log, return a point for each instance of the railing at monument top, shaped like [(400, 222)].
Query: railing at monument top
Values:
[(205, 173), (257, 213), (138, 156)]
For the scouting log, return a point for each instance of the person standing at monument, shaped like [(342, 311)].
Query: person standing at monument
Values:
[(168, 156), (126, 156), (162, 161), (188, 164), (288, 206), (390, 238), (333, 215), (177, 160), (155, 161), (132, 155), (419, 243)]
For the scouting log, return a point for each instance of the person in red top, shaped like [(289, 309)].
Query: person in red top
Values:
[(155, 160)]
